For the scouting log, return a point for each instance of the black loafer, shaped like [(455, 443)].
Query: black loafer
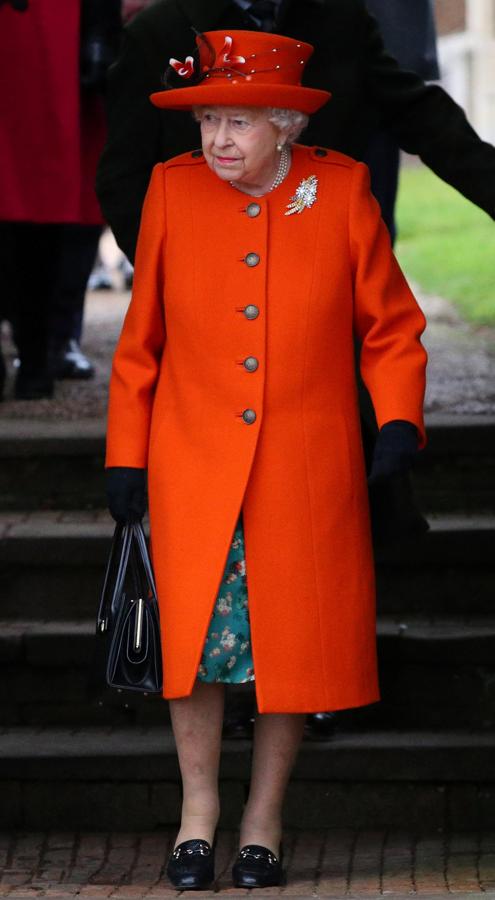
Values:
[(257, 866), (191, 866), (321, 724)]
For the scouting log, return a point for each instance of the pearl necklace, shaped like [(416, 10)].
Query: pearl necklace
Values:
[(283, 168)]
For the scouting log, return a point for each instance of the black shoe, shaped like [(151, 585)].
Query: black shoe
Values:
[(257, 866), (191, 866), (33, 387), (70, 362), (321, 725), (238, 725)]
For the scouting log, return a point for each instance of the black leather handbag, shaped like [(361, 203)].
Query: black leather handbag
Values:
[(128, 624)]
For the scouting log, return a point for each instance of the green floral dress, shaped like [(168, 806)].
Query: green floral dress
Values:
[(227, 651)]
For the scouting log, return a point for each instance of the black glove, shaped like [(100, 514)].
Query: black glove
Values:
[(126, 493), (395, 449)]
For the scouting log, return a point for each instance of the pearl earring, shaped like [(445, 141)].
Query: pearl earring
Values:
[(280, 146)]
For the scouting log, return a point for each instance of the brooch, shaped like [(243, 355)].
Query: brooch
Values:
[(304, 197)]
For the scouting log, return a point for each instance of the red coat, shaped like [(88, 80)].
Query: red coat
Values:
[(50, 138), (179, 389)]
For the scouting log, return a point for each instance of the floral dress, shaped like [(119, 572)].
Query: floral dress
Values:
[(227, 650)]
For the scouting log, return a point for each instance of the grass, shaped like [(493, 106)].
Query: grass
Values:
[(446, 244)]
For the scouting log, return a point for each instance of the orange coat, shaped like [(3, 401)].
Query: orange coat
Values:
[(179, 388)]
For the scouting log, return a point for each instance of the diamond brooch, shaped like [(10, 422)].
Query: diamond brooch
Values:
[(304, 197)]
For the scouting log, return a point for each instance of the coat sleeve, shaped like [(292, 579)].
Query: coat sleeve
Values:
[(136, 363), (409, 33), (387, 318), (133, 143), (427, 122)]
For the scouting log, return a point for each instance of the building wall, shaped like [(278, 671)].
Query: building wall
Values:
[(450, 15), (467, 58)]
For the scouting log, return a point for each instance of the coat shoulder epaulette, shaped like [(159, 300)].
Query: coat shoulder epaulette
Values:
[(331, 157), (192, 158)]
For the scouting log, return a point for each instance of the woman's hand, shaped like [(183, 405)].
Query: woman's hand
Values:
[(395, 449), (126, 493)]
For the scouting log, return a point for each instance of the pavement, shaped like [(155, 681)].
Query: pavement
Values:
[(461, 369), (324, 863)]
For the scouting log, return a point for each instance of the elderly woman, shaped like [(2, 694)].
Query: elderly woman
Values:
[(233, 385)]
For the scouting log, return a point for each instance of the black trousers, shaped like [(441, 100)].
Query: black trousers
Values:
[(44, 269), (78, 249), (29, 255), (383, 159)]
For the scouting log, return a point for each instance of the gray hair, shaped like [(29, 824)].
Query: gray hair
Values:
[(281, 118), (285, 118)]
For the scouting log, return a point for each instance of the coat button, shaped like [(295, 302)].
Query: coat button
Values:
[(253, 210), (320, 152), (251, 311), (251, 363), (249, 416), (251, 259)]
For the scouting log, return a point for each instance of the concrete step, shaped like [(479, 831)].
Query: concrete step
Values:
[(90, 778), (457, 468), (51, 566), (450, 569), (59, 465), (462, 639), (51, 465), (436, 673)]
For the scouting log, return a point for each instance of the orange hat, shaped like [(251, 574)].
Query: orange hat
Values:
[(243, 68)]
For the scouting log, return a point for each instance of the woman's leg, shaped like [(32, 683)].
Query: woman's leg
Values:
[(197, 726), (277, 737)]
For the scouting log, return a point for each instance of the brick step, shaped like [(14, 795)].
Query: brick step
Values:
[(51, 566), (433, 673), (53, 465), (97, 777)]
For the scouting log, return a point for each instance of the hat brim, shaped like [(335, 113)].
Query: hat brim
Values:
[(235, 93)]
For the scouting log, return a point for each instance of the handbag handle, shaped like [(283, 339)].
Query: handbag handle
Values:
[(121, 545), (139, 537)]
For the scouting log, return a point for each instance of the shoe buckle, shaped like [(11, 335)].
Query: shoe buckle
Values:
[(179, 851), (272, 859)]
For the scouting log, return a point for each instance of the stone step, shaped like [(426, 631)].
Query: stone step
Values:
[(51, 465), (59, 465), (433, 673), (97, 777), (457, 468), (51, 566), (418, 638)]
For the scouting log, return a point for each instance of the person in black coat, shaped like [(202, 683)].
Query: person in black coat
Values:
[(409, 34), (370, 91)]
